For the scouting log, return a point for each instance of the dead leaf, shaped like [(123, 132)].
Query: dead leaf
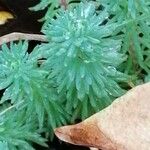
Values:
[(93, 148), (124, 125), (4, 16)]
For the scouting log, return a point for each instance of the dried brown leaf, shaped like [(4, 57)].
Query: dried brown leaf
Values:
[(124, 125)]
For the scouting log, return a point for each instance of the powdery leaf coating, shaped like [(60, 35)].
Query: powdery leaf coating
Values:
[(83, 59)]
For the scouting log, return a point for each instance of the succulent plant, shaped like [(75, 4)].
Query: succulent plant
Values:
[(18, 130), (83, 58), (23, 79), (135, 33)]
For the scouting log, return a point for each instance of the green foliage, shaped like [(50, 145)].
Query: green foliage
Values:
[(93, 50), (52, 7), (19, 71), (136, 33), (23, 79), (84, 59), (17, 130)]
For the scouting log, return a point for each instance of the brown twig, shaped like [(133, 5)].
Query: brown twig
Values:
[(15, 36), (64, 3)]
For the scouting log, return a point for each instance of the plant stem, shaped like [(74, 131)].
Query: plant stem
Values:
[(9, 108), (15, 36), (64, 3)]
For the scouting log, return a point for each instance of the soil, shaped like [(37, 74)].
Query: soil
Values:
[(26, 21)]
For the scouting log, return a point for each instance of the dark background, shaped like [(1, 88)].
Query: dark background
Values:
[(25, 20)]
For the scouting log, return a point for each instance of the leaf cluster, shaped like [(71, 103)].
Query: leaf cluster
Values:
[(18, 130), (52, 7), (95, 52), (135, 32), (24, 80), (84, 59)]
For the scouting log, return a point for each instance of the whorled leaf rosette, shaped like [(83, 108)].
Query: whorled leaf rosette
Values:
[(18, 129), (19, 70), (84, 59), (23, 79)]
